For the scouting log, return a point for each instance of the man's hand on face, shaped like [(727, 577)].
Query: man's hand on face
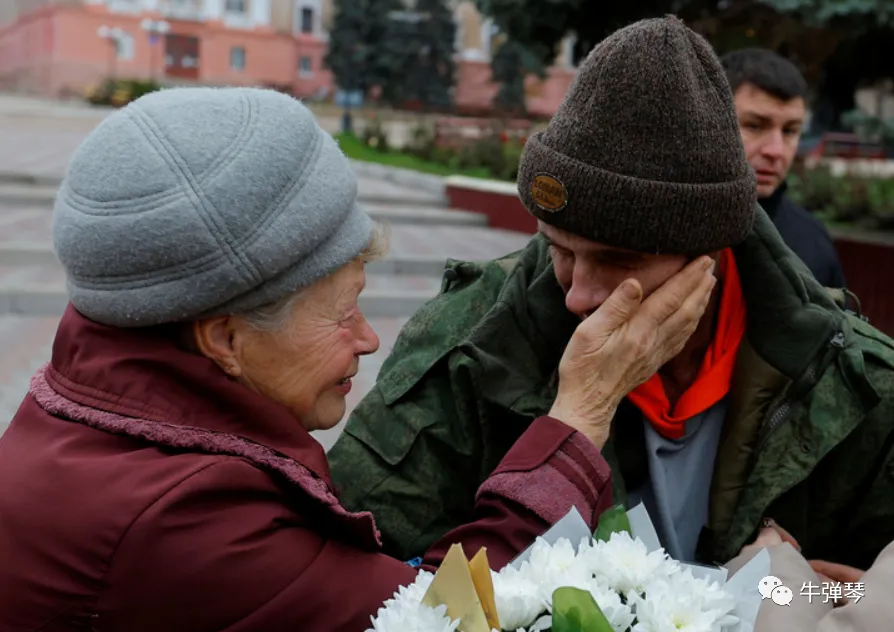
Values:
[(624, 342)]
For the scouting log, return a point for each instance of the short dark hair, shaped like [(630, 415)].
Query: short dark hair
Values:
[(765, 70)]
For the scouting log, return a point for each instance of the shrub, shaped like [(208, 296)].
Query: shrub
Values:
[(119, 92), (422, 144), (375, 136), (862, 201)]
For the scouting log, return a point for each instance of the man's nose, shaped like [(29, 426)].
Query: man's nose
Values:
[(584, 298), (774, 145)]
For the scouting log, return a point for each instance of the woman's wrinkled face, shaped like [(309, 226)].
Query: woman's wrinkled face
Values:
[(308, 365)]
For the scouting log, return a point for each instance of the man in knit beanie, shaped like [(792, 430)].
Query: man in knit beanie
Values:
[(780, 406), (644, 153)]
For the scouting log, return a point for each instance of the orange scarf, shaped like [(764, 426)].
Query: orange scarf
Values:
[(713, 380)]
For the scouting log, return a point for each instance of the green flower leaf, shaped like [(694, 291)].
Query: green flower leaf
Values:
[(575, 610), (613, 520)]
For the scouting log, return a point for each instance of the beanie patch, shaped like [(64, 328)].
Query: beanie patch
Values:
[(548, 193)]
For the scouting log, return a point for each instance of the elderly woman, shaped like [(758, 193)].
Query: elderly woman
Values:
[(160, 474)]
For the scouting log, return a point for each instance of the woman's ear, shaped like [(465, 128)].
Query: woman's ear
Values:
[(214, 338)]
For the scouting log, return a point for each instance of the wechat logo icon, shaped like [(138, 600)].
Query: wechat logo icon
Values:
[(771, 588)]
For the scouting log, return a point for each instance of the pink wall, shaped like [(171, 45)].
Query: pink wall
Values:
[(269, 57), (57, 49), (475, 91), (26, 52), (546, 96), (82, 57), (320, 77)]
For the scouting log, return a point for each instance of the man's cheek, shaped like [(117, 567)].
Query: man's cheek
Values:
[(658, 278)]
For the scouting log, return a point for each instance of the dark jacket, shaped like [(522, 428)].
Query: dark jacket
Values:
[(808, 438), (141, 490), (806, 236)]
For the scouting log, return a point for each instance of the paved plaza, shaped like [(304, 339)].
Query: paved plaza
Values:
[(37, 140)]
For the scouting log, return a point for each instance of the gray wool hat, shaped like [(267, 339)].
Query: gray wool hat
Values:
[(196, 202), (644, 152)]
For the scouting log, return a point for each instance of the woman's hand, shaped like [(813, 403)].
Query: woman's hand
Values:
[(624, 342), (771, 534), (767, 537), (836, 573)]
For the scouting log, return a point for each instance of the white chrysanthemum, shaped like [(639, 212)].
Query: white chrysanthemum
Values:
[(623, 564), (627, 582), (517, 594), (618, 614), (405, 612), (402, 616), (548, 560), (416, 591), (703, 594), (667, 608), (543, 623), (556, 566)]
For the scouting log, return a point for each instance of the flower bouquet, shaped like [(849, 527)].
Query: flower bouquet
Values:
[(616, 580)]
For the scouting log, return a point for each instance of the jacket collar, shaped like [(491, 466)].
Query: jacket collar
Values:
[(143, 374), (771, 204), (791, 317)]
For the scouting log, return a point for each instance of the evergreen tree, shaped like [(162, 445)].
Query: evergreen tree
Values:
[(419, 50), (510, 66), (355, 56), (811, 31)]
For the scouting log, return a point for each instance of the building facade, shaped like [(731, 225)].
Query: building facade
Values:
[(60, 47), (477, 38)]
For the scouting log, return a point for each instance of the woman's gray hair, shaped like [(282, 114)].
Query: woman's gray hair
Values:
[(273, 317)]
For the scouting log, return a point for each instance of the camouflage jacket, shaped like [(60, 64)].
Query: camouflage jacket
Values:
[(808, 438)]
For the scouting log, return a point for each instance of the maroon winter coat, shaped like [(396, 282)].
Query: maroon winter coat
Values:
[(141, 489)]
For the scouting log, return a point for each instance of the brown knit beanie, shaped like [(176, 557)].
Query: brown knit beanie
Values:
[(644, 153)]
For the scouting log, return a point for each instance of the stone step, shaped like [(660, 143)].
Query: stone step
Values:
[(22, 193), (389, 296), (428, 215), (28, 179), (422, 249), (39, 290), (41, 254), (37, 191)]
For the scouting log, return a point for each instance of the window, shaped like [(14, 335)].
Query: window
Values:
[(237, 58), (307, 20), (306, 16), (182, 54), (305, 67), (124, 46), (235, 6)]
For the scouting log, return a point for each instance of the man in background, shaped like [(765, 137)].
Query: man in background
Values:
[(771, 103)]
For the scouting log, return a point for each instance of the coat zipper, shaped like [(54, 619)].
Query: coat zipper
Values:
[(780, 414)]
